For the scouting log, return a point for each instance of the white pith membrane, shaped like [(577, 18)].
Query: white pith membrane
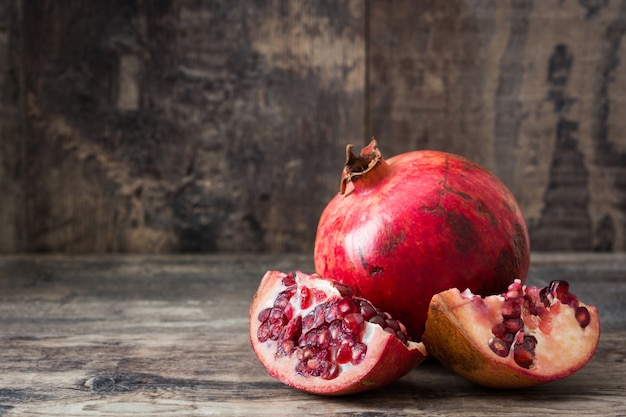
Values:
[(562, 341), (284, 365)]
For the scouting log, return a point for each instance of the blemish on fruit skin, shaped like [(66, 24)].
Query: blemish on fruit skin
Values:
[(362, 257), (520, 246), (391, 243), (506, 266), (375, 271), (464, 231), (483, 210)]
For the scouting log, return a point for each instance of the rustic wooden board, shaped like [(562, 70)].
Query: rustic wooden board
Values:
[(11, 137), (157, 126), (147, 335), (534, 90), (187, 126)]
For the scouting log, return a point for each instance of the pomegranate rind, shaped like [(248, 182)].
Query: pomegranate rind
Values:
[(459, 327), (387, 358)]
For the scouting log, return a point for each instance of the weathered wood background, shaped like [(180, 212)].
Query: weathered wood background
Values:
[(169, 126)]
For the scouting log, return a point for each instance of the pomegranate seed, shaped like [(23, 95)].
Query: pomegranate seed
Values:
[(307, 322), (307, 353), (512, 295), (367, 310), (532, 300), (285, 348), (400, 335), (305, 298), (499, 330), (393, 324), (544, 296), (344, 354), (310, 338), (511, 309), (513, 325), (331, 371), (332, 312), (283, 299), (390, 330), (322, 355), (312, 365), (319, 315), (289, 280), (301, 368), (499, 347), (515, 290), (343, 289), (377, 319), (276, 315), (573, 301), (275, 329), (583, 316), (559, 288), (319, 367), (323, 337), (263, 333), (567, 298), (522, 356), (288, 311), (346, 306), (318, 295), (358, 353), (354, 322), (508, 338), (293, 329), (264, 314), (334, 329), (348, 338), (529, 343)]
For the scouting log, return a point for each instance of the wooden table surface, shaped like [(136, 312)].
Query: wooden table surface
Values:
[(167, 335)]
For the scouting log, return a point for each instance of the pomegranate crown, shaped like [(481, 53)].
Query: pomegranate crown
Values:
[(358, 165)]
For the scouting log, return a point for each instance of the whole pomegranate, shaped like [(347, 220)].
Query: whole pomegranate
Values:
[(524, 337), (313, 334), (403, 229)]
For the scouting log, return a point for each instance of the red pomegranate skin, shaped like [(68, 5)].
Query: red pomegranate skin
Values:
[(417, 224)]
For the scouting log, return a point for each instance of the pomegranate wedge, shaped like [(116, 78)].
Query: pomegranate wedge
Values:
[(524, 337), (314, 335)]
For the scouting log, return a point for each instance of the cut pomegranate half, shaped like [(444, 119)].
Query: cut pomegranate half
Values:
[(524, 337), (312, 334)]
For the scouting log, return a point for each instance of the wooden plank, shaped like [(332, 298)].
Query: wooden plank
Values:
[(182, 126), (11, 164), (533, 90), (187, 126), (142, 335)]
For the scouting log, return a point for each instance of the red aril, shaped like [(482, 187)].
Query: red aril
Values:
[(406, 228), (523, 337), (314, 335)]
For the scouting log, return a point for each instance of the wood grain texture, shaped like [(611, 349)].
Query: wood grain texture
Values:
[(150, 335), (185, 126), (180, 126), (534, 90), (11, 137)]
